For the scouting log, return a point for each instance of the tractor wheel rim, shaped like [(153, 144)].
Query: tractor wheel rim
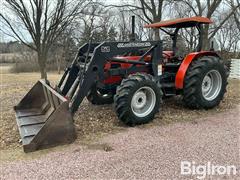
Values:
[(143, 101), (211, 85), (103, 95)]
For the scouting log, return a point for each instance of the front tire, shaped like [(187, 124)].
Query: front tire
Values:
[(137, 99), (205, 83), (99, 96)]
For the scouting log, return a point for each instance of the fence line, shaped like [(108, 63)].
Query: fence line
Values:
[(235, 68)]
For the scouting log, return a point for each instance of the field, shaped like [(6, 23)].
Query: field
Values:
[(92, 122), (5, 68)]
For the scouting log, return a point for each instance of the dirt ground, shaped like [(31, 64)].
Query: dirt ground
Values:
[(93, 122)]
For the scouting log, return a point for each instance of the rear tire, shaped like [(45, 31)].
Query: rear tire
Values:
[(205, 83), (99, 96), (137, 99)]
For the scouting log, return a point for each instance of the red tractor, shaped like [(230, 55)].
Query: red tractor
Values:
[(134, 75)]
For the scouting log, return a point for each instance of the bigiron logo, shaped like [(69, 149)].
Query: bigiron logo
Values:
[(201, 171), (133, 44)]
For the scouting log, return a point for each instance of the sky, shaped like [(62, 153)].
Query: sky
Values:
[(4, 37)]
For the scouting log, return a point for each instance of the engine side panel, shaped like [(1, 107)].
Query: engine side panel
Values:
[(109, 65)]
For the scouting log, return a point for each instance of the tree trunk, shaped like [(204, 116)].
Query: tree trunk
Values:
[(58, 65), (191, 42), (59, 69), (156, 35), (43, 71), (42, 57), (205, 39)]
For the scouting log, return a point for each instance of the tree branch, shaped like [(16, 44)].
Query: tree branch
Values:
[(16, 34), (223, 21)]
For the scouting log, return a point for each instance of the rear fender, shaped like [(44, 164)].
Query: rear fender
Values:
[(179, 79)]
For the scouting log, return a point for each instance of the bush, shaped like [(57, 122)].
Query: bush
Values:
[(24, 67), (9, 58)]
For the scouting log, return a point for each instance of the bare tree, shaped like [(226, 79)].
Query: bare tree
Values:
[(236, 13), (188, 34), (208, 8), (123, 26), (237, 21), (63, 49), (42, 20), (228, 37), (89, 23), (151, 11)]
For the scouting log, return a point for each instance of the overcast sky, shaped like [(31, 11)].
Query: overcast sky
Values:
[(4, 37)]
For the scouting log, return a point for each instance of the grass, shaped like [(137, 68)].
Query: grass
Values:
[(5, 68), (92, 122)]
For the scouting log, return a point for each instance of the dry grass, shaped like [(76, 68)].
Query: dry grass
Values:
[(13, 87), (94, 121), (5, 68)]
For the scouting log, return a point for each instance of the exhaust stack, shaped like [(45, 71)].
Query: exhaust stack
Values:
[(132, 36)]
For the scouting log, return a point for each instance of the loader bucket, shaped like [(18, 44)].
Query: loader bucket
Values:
[(44, 119)]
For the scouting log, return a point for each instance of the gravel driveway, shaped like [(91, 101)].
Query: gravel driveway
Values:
[(141, 153)]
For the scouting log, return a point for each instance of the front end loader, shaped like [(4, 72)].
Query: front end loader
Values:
[(135, 75), (45, 115)]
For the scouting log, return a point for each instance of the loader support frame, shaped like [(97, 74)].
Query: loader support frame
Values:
[(77, 87)]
